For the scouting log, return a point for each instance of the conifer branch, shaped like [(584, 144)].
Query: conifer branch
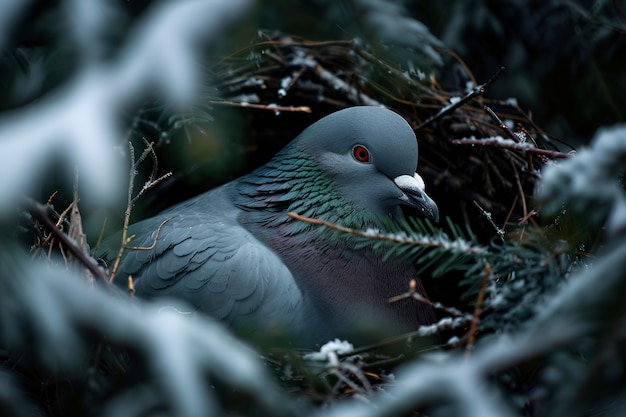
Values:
[(402, 237)]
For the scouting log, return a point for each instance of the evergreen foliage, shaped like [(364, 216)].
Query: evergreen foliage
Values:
[(529, 286)]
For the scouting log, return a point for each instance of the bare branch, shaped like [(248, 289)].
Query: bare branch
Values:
[(75, 231), (150, 183), (471, 334), (501, 124), (337, 83), (476, 91), (487, 215), (154, 242), (43, 213), (272, 107)]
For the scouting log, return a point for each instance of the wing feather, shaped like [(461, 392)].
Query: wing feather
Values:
[(203, 256)]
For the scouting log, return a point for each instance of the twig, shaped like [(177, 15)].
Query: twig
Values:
[(292, 80), (131, 286), (132, 200), (42, 213), (411, 293), (527, 217), (304, 109), (476, 91), (129, 205), (338, 84), (75, 230), (538, 131), (445, 323), (356, 372), (154, 242), (521, 193), (477, 310), (62, 216), (100, 236), (501, 124), (487, 215), (152, 180), (499, 143)]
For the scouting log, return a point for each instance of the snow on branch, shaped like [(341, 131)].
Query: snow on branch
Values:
[(590, 304), (500, 142), (80, 119), (183, 355), (590, 180), (441, 242)]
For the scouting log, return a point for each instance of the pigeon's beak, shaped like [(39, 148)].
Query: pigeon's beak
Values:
[(414, 195)]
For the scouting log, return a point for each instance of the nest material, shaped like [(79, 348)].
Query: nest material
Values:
[(301, 81)]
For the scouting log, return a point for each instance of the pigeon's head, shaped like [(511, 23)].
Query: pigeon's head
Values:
[(370, 154)]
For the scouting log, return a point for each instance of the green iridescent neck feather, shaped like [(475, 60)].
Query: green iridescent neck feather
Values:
[(293, 182)]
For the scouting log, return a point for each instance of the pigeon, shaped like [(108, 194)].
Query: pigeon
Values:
[(236, 254)]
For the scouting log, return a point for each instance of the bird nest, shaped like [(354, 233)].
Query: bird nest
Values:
[(480, 157)]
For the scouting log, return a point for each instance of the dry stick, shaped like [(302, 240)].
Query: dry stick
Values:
[(412, 293), (75, 230), (459, 60), (131, 185), (133, 127), (132, 200), (372, 58), (501, 124), (325, 76), (154, 242), (536, 128), (295, 78), (152, 180), (100, 236), (276, 43), (476, 91), (42, 214), (527, 217), (49, 239), (131, 286), (521, 193), (496, 143), (338, 84), (510, 212), (477, 311), (403, 337), (304, 109), (487, 215)]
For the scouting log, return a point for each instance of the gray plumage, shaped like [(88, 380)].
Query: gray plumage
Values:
[(234, 254)]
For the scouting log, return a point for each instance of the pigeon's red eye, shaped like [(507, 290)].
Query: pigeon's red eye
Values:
[(361, 153)]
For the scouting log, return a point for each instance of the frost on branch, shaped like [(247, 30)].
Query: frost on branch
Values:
[(590, 181), (81, 117), (188, 365)]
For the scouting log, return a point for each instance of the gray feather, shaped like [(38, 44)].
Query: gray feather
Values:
[(234, 253)]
